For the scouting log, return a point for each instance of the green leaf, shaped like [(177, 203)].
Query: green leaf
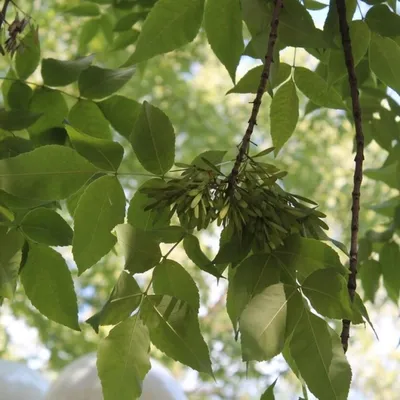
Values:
[(360, 309), (62, 73), (223, 25), (106, 22), (384, 55), (124, 39), (257, 15), (100, 209), (11, 78), (364, 249), (192, 248), (151, 219), (169, 25), (383, 21), (141, 250), (48, 285), (86, 116), (104, 154), (45, 226), (385, 129), (6, 216), (10, 257), (172, 279), (263, 328), (249, 83), (307, 256), (123, 360), (169, 234), (316, 89), (18, 203), (121, 112), (296, 27), (124, 299), (53, 107), (88, 32), (360, 37), (84, 9), (19, 95), (15, 120), (46, 173), (314, 5), (215, 157), (331, 26), (284, 114), (318, 354), (327, 291), (174, 329), (127, 21), (153, 140), (243, 286), (389, 259), (269, 393), (388, 174), (97, 83), (73, 200), (27, 60), (232, 248)]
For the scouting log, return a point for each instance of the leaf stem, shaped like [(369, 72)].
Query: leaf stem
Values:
[(244, 146), (359, 158)]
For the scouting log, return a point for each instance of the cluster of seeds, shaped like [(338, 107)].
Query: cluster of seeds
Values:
[(256, 205)]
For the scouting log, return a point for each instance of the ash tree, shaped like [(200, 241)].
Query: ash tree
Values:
[(66, 134)]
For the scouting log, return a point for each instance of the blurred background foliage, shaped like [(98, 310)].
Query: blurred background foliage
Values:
[(189, 85)]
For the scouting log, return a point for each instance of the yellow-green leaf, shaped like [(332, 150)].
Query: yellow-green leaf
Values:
[(123, 360), (97, 83), (124, 299), (153, 140), (100, 209), (360, 37), (27, 59), (316, 89), (284, 114), (223, 25), (384, 57), (62, 73), (263, 324), (169, 25), (104, 154), (46, 173), (174, 329), (48, 284), (45, 226)]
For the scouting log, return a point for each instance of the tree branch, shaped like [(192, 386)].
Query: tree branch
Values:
[(3, 12), (358, 170), (244, 146)]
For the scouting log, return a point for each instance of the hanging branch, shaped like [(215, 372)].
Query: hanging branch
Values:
[(358, 170), (244, 146)]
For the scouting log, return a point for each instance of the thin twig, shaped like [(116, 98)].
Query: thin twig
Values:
[(358, 170), (244, 146), (4, 12)]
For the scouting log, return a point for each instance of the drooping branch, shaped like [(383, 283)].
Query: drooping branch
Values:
[(358, 170), (244, 146)]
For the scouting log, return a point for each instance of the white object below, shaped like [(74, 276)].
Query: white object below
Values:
[(79, 381), (19, 382)]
